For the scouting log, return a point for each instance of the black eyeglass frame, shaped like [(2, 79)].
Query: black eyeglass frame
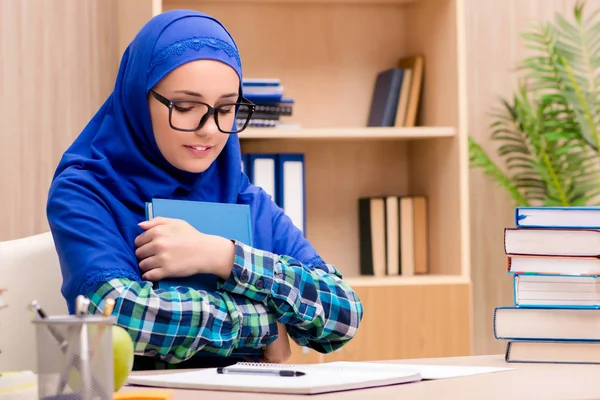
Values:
[(170, 104)]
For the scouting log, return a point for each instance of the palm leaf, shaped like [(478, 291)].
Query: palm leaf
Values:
[(479, 159), (548, 134)]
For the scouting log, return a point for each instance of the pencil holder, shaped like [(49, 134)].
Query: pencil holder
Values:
[(75, 357)]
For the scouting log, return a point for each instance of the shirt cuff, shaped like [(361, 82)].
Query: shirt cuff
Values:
[(259, 327), (252, 273)]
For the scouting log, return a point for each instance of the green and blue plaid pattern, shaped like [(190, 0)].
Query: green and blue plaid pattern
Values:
[(319, 309)]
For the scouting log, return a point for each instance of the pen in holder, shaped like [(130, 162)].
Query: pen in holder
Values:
[(75, 357)]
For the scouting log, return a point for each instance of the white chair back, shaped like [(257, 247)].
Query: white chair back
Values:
[(29, 270)]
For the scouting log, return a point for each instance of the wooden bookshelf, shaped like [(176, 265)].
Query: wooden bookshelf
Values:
[(344, 2), (370, 133), (327, 54), (426, 279)]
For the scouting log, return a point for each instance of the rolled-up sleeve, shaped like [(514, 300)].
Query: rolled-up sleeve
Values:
[(175, 324), (319, 309)]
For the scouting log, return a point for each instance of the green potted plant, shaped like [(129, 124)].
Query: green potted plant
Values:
[(549, 131)]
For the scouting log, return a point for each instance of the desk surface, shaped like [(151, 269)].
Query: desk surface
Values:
[(526, 381)]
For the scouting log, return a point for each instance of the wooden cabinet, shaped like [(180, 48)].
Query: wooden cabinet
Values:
[(406, 321), (327, 54)]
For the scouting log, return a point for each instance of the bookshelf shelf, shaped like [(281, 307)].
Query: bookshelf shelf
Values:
[(304, 2), (369, 133), (416, 280)]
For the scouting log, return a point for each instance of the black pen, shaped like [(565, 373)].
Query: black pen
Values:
[(41, 314), (261, 371)]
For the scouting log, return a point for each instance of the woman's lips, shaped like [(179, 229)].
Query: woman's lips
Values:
[(199, 150)]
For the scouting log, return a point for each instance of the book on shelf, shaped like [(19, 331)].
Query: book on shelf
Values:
[(410, 93), (553, 257), (396, 94), (393, 235), (271, 104), (384, 100)]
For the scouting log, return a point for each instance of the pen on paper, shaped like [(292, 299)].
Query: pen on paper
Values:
[(259, 371)]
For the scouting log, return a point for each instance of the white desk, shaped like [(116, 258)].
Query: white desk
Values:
[(526, 381)]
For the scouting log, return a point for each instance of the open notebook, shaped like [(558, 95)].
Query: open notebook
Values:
[(318, 378)]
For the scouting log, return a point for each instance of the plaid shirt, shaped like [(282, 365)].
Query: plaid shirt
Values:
[(320, 310)]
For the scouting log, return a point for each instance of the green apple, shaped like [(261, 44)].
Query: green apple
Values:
[(122, 360), (122, 355)]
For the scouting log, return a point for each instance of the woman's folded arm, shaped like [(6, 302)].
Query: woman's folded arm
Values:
[(175, 324), (320, 310)]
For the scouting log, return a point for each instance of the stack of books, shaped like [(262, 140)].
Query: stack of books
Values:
[(553, 256), (271, 105), (393, 235)]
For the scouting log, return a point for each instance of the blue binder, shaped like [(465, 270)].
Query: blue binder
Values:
[(262, 169), (290, 187), (245, 163)]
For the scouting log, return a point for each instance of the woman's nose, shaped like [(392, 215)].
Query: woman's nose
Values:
[(209, 126)]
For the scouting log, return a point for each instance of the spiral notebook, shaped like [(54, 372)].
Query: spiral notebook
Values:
[(318, 378)]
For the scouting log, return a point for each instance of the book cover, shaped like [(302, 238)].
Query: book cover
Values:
[(231, 221)]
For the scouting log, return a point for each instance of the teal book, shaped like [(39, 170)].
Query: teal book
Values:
[(232, 221)]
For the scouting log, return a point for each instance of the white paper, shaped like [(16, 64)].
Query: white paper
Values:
[(433, 371), (319, 378)]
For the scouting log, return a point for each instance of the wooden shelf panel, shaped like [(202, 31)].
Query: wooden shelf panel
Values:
[(177, 3), (418, 321), (369, 133), (421, 280)]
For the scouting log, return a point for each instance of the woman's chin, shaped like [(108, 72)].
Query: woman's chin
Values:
[(194, 167)]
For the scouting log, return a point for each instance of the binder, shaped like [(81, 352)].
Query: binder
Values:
[(245, 163), (290, 188), (261, 172)]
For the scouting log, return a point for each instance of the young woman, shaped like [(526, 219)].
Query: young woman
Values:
[(168, 130)]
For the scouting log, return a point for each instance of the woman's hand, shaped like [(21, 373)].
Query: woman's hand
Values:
[(278, 351), (173, 248)]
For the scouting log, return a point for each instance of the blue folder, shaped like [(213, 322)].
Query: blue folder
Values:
[(294, 207)]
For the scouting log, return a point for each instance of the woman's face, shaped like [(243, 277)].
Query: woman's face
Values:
[(207, 81)]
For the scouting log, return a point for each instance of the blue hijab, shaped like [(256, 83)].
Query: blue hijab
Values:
[(98, 192)]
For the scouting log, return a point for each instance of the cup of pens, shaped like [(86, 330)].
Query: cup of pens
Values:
[(74, 354)]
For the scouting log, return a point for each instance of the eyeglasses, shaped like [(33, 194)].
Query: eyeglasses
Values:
[(189, 115)]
